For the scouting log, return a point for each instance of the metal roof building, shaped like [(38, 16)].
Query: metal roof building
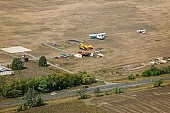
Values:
[(6, 71)]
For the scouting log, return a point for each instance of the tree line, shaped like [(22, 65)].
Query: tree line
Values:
[(44, 84), (154, 71)]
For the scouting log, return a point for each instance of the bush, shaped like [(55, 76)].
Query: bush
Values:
[(153, 71), (82, 94), (146, 73), (106, 93), (42, 62), (117, 90), (158, 83), (25, 106), (97, 91), (85, 96), (17, 64), (166, 70), (130, 77), (40, 102), (19, 108)]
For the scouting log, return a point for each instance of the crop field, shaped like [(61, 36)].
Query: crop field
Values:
[(148, 101), (30, 23)]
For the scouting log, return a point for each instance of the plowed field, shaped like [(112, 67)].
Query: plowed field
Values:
[(149, 101)]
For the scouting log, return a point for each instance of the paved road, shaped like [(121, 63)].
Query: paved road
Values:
[(102, 88)]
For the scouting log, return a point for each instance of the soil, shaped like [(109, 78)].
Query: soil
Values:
[(148, 101)]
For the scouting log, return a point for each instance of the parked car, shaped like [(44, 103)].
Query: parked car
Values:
[(53, 93)]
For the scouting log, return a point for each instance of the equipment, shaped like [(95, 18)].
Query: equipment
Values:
[(85, 47)]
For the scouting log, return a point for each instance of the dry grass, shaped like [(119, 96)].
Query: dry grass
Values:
[(61, 105), (71, 107), (30, 23), (32, 70)]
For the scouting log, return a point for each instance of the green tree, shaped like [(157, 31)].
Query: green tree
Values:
[(25, 106), (97, 91), (40, 102), (43, 85), (17, 64), (81, 93), (154, 71), (30, 97), (42, 62), (130, 77), (117, 90), (2, 82), (15, 88), (158, 83), (20, 108)]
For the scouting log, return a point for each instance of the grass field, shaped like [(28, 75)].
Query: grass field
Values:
[(29, 23)]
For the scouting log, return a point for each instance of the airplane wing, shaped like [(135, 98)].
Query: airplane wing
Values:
[(101, 33), (93, 35)]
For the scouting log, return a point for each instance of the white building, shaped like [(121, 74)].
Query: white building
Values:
[(6, 71)]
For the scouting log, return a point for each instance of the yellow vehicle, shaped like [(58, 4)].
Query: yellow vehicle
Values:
[(85, 47)]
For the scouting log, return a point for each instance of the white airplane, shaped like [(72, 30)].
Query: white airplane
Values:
[(143, 31), (99, 35)]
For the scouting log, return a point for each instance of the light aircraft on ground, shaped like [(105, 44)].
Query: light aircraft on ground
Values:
[(143, 31), (97, 35)]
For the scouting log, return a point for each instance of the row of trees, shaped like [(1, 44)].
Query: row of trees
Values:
[(82, 93), (44, 84), (154, 71)]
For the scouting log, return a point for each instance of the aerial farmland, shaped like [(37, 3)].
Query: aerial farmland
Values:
[(45, 28)]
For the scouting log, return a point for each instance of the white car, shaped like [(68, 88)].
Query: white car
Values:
[(53, 93)]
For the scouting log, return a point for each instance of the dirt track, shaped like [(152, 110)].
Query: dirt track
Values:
[(30, 23)]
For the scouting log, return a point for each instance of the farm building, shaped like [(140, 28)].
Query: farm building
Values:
[(6, 71)]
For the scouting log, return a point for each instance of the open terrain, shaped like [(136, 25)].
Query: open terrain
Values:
[(153, 100), (148, 101), (30, 23), (71, 107)]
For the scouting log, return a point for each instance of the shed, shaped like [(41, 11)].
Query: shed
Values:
[(84, 54), (6, 71)]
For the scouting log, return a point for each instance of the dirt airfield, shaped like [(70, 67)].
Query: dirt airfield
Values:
[(30, 23)]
